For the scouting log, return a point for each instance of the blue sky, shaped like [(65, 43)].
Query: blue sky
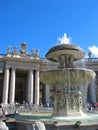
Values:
[(41, 23)]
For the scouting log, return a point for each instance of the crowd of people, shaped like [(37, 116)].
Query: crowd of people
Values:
[(92, 106)]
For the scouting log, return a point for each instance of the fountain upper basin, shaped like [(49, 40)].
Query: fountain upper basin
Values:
[(72, 75)]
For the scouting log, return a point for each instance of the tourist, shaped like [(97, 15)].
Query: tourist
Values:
[(1, 110), (17, 104), (89, 107), (93, 106), (96, 104)]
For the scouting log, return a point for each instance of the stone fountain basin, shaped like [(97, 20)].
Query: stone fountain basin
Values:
[(71, 75)]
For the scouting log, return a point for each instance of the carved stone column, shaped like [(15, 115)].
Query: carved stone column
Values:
[(37, 87), (12, 86), (30, 86), (5, 86)]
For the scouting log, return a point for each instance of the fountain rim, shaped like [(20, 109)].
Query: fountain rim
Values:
[(58, 50), (86, 117), (84, 69), (48, 78)]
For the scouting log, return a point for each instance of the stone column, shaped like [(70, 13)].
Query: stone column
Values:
[(30, 87), (93, 91), (12, 86), (37, 87), (5, 86), (47, 94)]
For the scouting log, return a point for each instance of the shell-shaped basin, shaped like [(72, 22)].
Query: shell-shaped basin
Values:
[(72, 75)]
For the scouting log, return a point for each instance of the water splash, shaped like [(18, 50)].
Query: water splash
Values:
[(64, 39)]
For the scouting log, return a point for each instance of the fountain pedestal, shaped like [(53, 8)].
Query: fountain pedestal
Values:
[(67, 104)]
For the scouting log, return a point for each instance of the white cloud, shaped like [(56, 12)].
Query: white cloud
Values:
[(64, 39), (94, 50)]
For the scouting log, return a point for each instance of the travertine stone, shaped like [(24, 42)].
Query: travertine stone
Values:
[(12, 86), (30, 86), (37, 87), (5, 86)]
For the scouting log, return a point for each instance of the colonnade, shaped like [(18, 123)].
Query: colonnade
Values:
[(32, 92), (9, 86)]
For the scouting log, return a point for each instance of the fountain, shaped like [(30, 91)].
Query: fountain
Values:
[(66, 80)]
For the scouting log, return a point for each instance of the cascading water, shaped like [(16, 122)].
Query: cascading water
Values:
[(67, 80)]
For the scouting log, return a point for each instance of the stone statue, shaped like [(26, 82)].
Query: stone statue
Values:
[(23, 50), (9, 49), (37, 52), (15, 50), (32, 51), (89, 55)]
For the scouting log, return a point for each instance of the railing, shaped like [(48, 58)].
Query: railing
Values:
[(91, 59)]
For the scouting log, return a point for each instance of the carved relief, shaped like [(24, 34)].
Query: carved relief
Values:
[(66, 61)]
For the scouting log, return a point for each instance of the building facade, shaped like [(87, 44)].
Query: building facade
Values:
[(20, 77)]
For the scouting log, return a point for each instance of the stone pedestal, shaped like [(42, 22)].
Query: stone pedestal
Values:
[(3, 126), (67, 105)]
